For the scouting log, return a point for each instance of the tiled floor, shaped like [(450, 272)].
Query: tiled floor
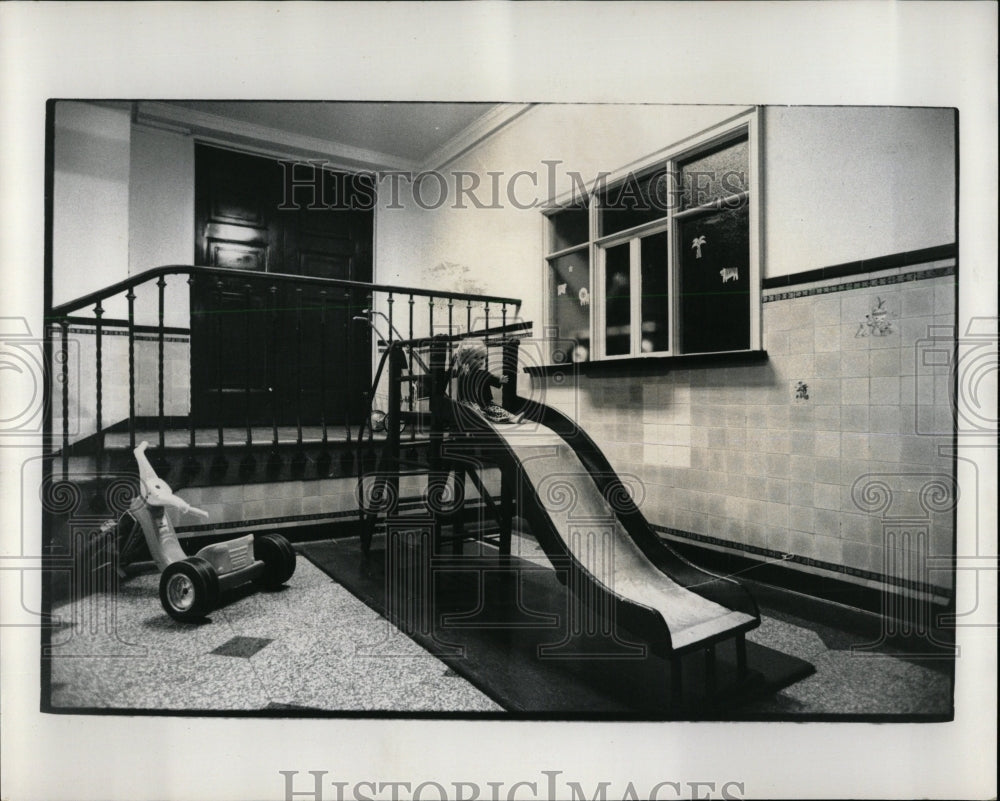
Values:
[(314, 646)]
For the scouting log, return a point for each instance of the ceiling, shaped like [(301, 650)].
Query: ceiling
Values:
[(356, 134)]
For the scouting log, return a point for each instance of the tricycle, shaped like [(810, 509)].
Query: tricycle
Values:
[(190, 586)]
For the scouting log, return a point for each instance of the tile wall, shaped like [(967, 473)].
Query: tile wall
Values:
[(819, 453), (824, 451), (282, 504)]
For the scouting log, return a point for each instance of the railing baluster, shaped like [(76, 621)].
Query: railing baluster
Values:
[(248, 360), (323, 366), (219, 406), (367, 397), (430, 334), (192, 431), (348, 342), (64, 377), (298, 373), (160, 284), (503, 352), (390, 301), (130, 295), (273, 365), (468, 316), (409, 366), (451, 331), (486, 338), (99, 347)]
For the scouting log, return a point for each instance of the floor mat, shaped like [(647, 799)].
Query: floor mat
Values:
[(528, 643)]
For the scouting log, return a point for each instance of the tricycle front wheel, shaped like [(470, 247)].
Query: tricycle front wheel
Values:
[(189, 589)]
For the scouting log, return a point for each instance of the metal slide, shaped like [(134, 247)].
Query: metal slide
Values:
[(584, 516)]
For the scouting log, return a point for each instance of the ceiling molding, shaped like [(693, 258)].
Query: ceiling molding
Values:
[(264, 139), (475, 133)]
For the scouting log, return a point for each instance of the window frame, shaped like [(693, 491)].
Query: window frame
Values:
[(744, 125)]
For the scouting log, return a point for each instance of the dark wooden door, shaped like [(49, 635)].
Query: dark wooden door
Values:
[(266, 349)]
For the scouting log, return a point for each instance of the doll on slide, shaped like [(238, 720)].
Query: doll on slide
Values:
[(475, 381), (190, 586)]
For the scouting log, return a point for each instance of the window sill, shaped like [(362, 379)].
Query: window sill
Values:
[(651, 365)]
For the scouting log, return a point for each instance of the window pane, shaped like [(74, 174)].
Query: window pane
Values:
[(655, 268), (617, 300), (569, 227), (714, 175), (715, 281), (569, 309), (638, 200)]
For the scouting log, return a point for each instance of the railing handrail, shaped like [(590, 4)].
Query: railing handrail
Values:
[(480, 333), (65, 309)]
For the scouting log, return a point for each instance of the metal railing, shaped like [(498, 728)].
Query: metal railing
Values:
[(291, 308)]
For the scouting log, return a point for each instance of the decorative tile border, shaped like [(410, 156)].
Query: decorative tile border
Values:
[(885, 280), (108, 332), (881, 264)]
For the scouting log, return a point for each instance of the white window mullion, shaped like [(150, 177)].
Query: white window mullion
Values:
[(756, 233), (672, 283), (635, 292), (674, 266), (637, 230), (596, 285)]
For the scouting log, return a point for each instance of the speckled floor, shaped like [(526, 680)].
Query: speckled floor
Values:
[(847, 682), (310, 645), (313, 646)]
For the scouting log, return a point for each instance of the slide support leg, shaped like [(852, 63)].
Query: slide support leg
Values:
[(710, 673), (506, 516), (676, 682), (458, 525)]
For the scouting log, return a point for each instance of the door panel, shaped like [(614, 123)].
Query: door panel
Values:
[(323, 265), (233, 196), (257, 346), (328, 339), (237, 256), (232, 353)]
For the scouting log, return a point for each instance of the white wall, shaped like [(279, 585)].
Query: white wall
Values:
[(123, 202), (161, 200), (161, 218), (503, 247), (846, 184), (90, 199), (840, 185)]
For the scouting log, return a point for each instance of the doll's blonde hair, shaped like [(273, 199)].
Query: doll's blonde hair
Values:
[(466, 356)]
